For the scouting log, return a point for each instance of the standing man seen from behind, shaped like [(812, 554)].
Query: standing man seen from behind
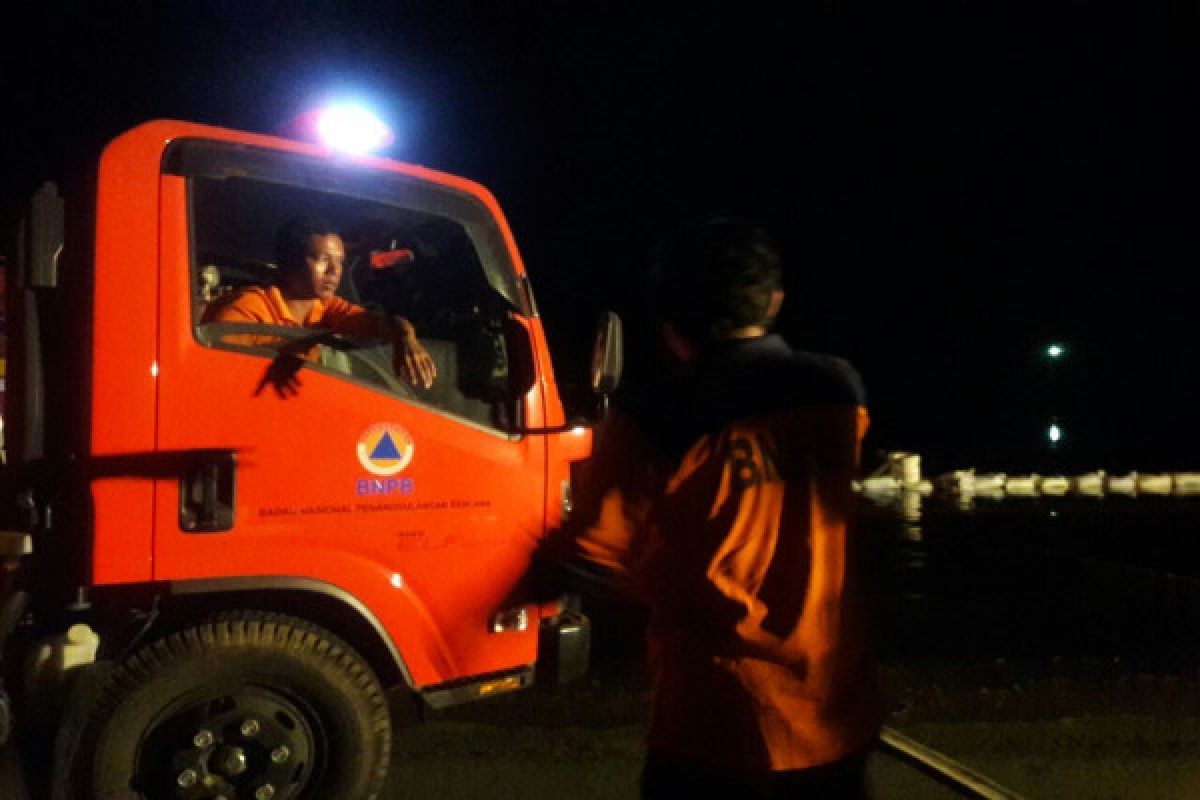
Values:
[(720, 494)]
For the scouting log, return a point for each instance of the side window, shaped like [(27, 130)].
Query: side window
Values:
[(398, 262)]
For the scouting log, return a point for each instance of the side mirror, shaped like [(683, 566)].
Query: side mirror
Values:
[(47, 221), (607, 362), (608, 355)]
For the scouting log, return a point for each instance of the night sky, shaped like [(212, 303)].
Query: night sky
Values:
[(955, 188)]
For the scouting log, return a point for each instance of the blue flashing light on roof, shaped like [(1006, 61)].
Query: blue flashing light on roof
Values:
[(352, 129)]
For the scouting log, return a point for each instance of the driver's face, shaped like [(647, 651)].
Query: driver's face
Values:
[(324, 261)]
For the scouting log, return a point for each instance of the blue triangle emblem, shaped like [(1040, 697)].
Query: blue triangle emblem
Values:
[(385, 449)]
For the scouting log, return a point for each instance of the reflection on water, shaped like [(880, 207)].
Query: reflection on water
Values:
[(1037, 577)]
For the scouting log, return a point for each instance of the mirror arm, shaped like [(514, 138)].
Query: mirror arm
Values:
[(570, 427)]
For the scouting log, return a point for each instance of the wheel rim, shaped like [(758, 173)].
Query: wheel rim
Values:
[(254, 742)]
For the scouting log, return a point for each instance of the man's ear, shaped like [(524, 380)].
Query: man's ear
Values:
[(774, 305)]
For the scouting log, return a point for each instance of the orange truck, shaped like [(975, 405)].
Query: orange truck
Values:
[(227, 554)]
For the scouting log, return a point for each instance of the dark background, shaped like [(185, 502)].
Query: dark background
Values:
[(955, 186)]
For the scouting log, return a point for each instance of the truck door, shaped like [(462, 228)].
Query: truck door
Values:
[(314, 461)]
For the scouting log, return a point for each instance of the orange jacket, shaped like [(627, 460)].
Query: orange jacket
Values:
[(758, 641), (267, 306)]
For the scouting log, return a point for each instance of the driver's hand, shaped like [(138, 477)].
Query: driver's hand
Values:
[(281, 375), (412, 359)]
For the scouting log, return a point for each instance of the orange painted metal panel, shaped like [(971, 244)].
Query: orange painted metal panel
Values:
[(124, 344), (433, 556), (453, 532)]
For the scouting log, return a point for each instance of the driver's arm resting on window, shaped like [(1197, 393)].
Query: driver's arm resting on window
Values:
[(310, 257)]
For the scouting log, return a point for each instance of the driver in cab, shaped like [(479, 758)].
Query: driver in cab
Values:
[(310, 257)]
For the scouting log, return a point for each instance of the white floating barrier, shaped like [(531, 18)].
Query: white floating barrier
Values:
[(902, 473), (958, 482), (1122, 484), (905, 467), (1054, 485), (1159, 484), (1186, 483), (1091, 484), (1022, 485), (991, 482), (880, 484)]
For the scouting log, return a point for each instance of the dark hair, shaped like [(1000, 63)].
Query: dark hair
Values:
[(714, 276), (293, 240)]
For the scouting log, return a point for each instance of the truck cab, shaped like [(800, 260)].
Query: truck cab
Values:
[(265, 525)]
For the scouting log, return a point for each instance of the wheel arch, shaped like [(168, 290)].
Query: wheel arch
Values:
[(322, 603)]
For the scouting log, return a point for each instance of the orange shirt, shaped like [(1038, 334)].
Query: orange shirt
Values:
[(267, 306), (758, 640)]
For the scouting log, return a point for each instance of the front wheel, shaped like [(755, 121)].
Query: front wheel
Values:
[(253, 705)]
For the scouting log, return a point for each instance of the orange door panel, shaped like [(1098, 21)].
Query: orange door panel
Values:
[(426, 518)]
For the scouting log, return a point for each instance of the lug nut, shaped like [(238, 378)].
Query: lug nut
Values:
[(280, 754), (231, 761), (187, 779), (250, 727), (264, 792), (203, 739)]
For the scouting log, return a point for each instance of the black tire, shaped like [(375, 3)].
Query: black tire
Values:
[(295, 686)]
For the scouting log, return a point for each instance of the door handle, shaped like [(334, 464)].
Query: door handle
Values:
[(206, 494)]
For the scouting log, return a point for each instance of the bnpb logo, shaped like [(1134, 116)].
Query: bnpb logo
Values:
[(385, 449)]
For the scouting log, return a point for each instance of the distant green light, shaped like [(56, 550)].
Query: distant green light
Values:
[(1055, 350), (1054, 434)]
